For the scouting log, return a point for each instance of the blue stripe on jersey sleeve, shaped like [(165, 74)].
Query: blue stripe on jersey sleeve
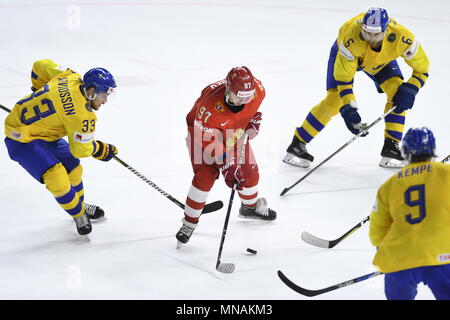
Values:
[(420, 80)]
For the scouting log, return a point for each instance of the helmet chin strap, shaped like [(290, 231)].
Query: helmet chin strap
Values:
[(90, 98), (227, 96)]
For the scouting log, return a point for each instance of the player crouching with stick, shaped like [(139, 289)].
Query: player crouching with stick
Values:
[(220, 116)]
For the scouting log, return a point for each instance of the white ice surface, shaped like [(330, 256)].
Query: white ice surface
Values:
[(163, 54)]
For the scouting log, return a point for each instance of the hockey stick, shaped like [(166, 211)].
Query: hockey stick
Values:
[(221, 266), (312, 293), (364, 132), (318, 242), (446, 159), (210, 207), (4, 108)]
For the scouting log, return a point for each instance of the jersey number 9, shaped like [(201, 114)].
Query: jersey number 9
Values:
[(419, 202)]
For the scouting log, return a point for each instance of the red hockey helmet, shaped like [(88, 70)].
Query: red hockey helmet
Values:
[(240, 85)]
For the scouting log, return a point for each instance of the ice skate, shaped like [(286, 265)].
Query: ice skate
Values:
[(297, 155), (259, 212), (391, 155), (184, 234), (94, 212), (83, 224)]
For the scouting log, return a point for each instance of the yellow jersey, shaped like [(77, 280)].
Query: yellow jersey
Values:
[(354, 52), (57, 108), (410, 221)]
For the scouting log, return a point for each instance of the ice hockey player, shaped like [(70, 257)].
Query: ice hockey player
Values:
[(370, 42), (410, 222), (220, 116), (62, 104)]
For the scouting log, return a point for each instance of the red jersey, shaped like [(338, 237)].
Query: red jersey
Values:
[(213, 126)]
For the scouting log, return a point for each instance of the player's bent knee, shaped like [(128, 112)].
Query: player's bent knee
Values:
[(390, 86), (75, 175), (57, 180)]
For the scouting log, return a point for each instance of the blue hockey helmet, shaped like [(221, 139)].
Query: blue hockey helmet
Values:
[(375, 20), (418, 141), (100, 79)]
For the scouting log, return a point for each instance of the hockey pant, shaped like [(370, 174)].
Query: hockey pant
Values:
[(387, 80), (205, 177), (402, 285), (52, 163)]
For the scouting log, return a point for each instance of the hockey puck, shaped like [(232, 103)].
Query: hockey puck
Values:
[(251, 250)]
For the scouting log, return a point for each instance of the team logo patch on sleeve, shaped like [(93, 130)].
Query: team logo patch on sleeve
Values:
[(391, 37), (83, 137), (444, 257), (16, 135), (411, 52), (346, 53)]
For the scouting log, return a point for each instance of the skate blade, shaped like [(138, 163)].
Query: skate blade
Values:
[(296, 161), (253, 218), (179, 245), (391, 163)]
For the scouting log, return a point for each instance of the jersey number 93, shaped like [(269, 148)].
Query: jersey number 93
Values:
[(43, 107)]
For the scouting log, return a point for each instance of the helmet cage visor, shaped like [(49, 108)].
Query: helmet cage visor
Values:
[(373, 36), (240, 97)]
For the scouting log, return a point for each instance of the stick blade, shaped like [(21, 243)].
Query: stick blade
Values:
[(315, 241), (296, 288), (213, 206), (284, 191), (225, 267)]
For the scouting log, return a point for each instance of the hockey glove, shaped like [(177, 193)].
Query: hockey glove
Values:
[(253, 126), (232, 173), (404, 97), (353, 120), (104, 151)]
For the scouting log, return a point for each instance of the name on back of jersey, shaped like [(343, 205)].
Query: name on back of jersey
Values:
[(64, 95)]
